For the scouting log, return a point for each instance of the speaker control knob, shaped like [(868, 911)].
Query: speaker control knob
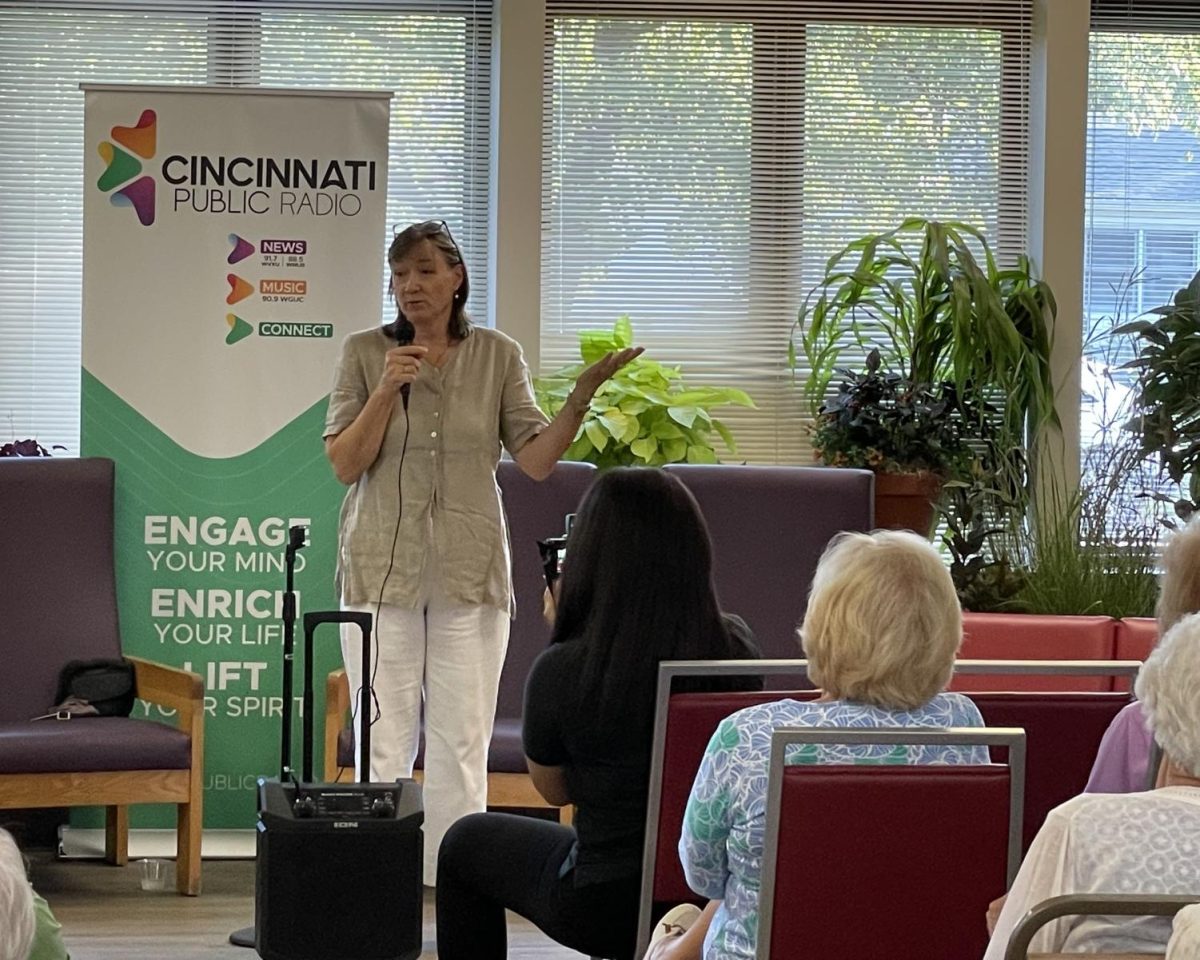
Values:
[(304, 807), (383, 807)]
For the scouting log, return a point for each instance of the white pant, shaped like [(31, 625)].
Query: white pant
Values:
[(453, 655)]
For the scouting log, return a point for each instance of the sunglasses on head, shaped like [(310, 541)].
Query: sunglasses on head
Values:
[(430, 228)]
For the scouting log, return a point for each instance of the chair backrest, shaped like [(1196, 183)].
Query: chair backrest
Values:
[(896, 861), (683, 725), (1136, 638), (769, 526), (536, 511), (57, 577), (1094, 904), (1021, 636), (1063, 732), (692, 719)]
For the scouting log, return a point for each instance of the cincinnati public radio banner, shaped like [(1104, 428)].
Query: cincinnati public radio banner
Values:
[(231, 240)]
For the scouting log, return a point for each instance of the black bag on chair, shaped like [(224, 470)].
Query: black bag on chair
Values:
[(107, 685)]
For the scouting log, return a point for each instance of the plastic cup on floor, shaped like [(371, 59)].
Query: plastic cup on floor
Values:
[(153, 874)]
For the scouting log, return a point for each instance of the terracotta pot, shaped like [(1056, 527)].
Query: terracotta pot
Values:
[(905, 501)]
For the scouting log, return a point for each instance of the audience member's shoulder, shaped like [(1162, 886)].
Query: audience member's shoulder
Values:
[(559, 658), (775, 713), (1114, 808), (960, 708)]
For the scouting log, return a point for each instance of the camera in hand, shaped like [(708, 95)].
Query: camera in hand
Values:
[(554, 552)]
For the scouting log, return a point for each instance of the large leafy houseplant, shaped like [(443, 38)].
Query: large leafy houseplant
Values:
[(1090, 548), (1167, 406), (937, 315), (964, 344), (645, 415)]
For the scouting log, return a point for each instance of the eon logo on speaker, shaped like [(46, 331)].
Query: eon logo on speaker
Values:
[(345, 824)]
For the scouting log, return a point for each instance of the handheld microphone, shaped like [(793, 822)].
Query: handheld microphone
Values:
[(403, 331)]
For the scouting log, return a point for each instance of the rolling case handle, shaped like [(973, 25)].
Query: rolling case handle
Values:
[(311, 622)]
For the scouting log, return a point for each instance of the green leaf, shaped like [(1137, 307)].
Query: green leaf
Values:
[(615, 422), (685, 416), (580, 450), (596, 434), (666, 430), (645, 448), (623, 331), (674, 450), (594, 344), (726, 436), (698, 454)]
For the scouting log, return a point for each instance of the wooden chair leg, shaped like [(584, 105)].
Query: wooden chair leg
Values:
[(116, 835), (566, 814), (187, 850)]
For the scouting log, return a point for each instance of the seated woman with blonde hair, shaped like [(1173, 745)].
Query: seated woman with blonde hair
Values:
[(881, 632), (1126, 843)]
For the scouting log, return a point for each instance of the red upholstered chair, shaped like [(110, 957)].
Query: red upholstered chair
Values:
[(887, 862), (683, 725), (60, 603), (1063, 732), (1019, 636), (1136, 637)]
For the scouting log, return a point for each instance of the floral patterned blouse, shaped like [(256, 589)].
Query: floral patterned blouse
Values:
[(722, 843)]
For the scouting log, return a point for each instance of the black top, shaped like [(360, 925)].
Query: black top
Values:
[(607, 771)]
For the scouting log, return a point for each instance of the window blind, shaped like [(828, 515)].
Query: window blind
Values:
[(435, 55), (1142, 235), (702, 160)]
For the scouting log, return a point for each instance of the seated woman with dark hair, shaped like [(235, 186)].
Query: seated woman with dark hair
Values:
[(636, 590), (1126, 843), (881, 632)]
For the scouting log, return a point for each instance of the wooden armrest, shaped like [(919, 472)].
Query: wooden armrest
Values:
[(337, 706), (167, 686), (337, 698)]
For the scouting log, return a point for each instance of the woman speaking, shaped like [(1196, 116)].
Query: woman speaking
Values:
[(417, 416)]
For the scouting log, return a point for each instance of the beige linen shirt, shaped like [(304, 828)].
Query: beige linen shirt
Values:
[(447, 498)]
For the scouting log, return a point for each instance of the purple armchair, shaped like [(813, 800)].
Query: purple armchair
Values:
[(58, 593)]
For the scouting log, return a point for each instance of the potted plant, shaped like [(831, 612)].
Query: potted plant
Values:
[(644, 415), (26, 448), (1090, 548), (1167, 398), (970, 340), (912, 435)]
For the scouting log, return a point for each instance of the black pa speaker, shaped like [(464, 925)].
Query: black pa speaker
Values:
[(339, 873)]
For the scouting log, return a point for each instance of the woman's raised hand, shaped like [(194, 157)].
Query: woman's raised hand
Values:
[(402, 365), (594, 376)]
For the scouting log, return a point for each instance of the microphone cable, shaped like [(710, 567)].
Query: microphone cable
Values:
[(374, 665)]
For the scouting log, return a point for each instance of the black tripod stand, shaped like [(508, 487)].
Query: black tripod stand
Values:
[(296, 542)]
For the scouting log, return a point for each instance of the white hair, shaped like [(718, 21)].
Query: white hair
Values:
[(16, 902), (1179, 586), (1167, 686)]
